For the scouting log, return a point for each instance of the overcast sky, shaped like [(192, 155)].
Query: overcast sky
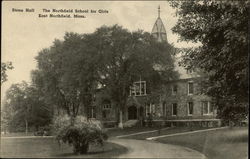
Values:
[(25, 34)]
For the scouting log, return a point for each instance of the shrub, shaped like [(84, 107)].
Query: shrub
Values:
[(79, 132), (44, 131), (234, 114)]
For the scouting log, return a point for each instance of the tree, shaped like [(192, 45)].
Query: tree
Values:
[(16, 97), (126, 58), (23, 107), (6, 116), (220, 27), (81, 134), (112, 58), (4, 67), (66, 74)]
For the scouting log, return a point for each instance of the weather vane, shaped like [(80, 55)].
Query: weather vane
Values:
[(159, 10)]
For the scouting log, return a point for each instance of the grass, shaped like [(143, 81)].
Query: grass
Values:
[(219, 144), (49, 147), (166, 131), (126, 131), (17, 134)]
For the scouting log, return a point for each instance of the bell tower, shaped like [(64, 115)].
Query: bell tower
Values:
[(159, 31)]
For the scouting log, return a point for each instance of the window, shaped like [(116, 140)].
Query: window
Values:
[(189, 71), (207, 108), (190, 88), (147, 109), (190, 108), (138, 88), (143, 87), (174, 109), (92, 112), (150, 108), (174, 89), (107, 106), (164, 107)]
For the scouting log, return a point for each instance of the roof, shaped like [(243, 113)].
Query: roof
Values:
[(159, 31)]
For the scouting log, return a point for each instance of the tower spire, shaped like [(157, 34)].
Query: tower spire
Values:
[(159, 11)]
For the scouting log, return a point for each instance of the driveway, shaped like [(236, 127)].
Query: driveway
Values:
[(152, 149)]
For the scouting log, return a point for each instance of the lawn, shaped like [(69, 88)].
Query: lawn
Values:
[(165, 131), (128, 130), (17, 134), (219, 144), (49, 147)]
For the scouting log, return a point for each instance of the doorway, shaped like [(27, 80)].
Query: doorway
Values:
[(132, 112)]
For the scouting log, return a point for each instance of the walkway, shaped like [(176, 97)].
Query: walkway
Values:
[(185, 133), (152, 149)]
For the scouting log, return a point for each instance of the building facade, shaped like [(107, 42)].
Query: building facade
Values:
[(181, 102)]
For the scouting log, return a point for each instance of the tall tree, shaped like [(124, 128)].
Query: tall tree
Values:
[(23, 106), (66, 74), (221, 27), (71, 71), (126, 58)]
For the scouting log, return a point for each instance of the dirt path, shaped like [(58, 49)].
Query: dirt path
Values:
[(152, 149)]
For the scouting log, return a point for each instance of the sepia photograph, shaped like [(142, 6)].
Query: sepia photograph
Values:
[(125, 79)]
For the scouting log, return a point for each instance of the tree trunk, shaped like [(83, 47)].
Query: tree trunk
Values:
[(81, 148), (120, 125), (26, 126), (84, 148)]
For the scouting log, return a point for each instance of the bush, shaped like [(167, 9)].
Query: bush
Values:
[(44, 131), (233, 115), (79, 132)]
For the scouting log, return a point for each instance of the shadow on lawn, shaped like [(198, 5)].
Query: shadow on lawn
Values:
[(235, 136), (109, 150), (218, 144)]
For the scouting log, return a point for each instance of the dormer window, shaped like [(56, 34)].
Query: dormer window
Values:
[(138, 88)]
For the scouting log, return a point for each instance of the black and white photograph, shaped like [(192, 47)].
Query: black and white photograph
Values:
[(125, 79)]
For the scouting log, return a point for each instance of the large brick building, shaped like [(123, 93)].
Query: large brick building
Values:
[(181, 103)]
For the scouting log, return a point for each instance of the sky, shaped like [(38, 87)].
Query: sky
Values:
[(24, 34)]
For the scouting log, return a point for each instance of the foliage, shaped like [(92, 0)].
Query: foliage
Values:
[(4, 67), (79, 132), (71, 71), (23, 106), (66, 73), (221, 29), (128, 57), (44, 130), (234, 114)]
